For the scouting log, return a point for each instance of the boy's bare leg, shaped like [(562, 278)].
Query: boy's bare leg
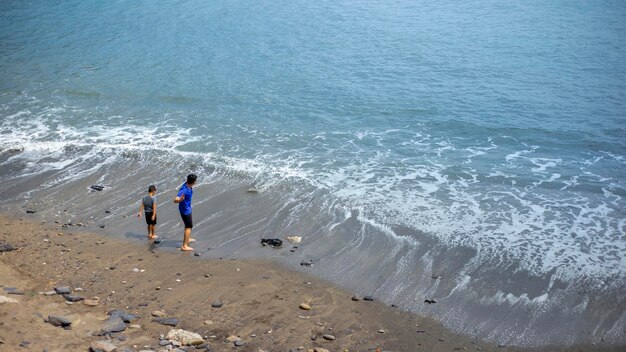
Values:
[(185, 246), (149, 231)]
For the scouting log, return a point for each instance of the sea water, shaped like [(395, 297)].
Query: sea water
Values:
[(484, 140)]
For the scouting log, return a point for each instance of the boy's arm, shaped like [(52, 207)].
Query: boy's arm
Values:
[(154, 206), (140, 209), (179, 197)]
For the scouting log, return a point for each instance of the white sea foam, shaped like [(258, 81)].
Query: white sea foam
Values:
[(564, 231)]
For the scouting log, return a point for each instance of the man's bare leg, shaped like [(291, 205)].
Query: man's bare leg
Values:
[(185, 246)]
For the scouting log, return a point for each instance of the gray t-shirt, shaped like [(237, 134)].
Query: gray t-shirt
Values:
[(148, 203)]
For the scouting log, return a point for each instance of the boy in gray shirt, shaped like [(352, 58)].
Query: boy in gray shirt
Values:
[(148, 203)]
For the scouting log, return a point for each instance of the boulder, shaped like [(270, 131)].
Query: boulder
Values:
[(186, 338)]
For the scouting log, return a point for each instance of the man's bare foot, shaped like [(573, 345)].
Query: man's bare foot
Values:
[(186, 248)]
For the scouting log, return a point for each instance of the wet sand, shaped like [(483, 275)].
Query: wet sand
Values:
[(261, 300)]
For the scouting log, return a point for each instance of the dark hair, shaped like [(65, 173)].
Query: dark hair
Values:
[(152, 188), (191, 179)]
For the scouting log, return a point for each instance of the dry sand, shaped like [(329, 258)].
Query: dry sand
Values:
[(260, 300)]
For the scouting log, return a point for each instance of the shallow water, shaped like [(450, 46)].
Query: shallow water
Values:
[(482, 142)]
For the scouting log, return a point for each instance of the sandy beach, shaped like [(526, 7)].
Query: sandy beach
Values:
[(261, 303)]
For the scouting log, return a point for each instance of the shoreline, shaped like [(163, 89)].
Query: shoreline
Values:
[(261, 300)]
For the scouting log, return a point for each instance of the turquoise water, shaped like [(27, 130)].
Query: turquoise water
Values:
[(495, 126)]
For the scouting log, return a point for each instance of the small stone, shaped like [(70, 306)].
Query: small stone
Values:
[(186, 338), (381, 331), (442, 340), (49, 293), (91, 302), (134, 326), (319, 349), (207, 275), (4, 299), (5, 247), (72, 298), (167, 321), (135, 270), (102, 226), (329, 337), (62, 290), (368, 298), (157, 241), (305, 306), (217, 304), (59, 321), (102, 346), (113, 324), (158, 313), (430, 301), (164, 343), (501, 345), (196, 254), (356, 298), (239, 343), (31, 211), (306, 262), (233, 338), (208, 322)]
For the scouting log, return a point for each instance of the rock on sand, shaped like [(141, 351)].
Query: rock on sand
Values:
[(59, 321), (102, 346), (186, 338), (4, 299)]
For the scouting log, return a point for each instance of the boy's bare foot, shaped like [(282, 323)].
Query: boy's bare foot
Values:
[(151, 237), (186, 248)]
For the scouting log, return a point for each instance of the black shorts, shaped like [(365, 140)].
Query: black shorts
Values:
[(149, 219), (187, 220)]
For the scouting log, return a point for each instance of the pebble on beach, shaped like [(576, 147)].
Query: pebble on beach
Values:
[(62, 290), (305, 306), (217, 304), (167, 321), (186, 338), (59, 321), (102, 346), (158, 313)]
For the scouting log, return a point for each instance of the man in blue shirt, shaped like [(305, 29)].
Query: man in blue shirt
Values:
[(183, 198)]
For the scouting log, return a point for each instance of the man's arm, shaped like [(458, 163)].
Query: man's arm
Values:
[(180, 197)]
